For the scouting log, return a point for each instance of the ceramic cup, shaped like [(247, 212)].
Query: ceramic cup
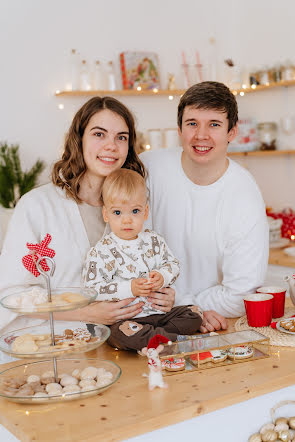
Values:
[(258, 309), (279, 294)]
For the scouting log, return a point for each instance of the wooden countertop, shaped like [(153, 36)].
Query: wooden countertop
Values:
[(128, 408), (279, 258)]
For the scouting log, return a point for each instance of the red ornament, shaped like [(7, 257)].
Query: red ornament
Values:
[(288, 218), (37, 251), (156, 340)]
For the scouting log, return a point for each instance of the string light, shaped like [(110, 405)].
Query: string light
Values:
[(170, 97), (138, 88), (57, 92), (253, 86), (235, 93), (61, 106), (242, 93), (155, 90), (147, 147)]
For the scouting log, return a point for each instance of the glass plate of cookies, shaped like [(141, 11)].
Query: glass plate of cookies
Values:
[(70, 337), (35, 299), (34, 383), (287, 326)]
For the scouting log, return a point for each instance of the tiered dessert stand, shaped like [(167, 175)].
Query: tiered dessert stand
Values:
[(107, 371)]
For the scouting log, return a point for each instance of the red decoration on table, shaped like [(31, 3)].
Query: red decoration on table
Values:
[(288, 218), (37, 251), (156, 340)]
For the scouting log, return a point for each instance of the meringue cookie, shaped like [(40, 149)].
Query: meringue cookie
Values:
[(33, 378), (89, 373), (87, 383), (68, 380), (71, 389)]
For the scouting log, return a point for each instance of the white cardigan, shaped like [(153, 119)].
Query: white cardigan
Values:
[(43, 210)]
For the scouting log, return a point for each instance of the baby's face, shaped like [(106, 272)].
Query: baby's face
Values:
[(126, 219)]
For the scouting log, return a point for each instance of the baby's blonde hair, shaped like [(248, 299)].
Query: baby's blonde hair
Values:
[(122, 185)]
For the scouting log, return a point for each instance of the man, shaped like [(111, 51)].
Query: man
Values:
[(208, 208)]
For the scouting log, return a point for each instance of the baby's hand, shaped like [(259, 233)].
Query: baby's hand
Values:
[(141, 287), (156, 279)]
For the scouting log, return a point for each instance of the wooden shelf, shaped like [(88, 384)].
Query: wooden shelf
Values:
[(153, 92), (122, 92), (262, 153), (264, 87)]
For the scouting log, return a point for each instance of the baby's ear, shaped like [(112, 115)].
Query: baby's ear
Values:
[(104, 214), (144, 350), (146, 212)]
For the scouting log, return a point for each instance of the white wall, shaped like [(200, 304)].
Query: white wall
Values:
[(36, 37)]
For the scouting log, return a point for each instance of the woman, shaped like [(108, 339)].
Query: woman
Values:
[(100, 140)]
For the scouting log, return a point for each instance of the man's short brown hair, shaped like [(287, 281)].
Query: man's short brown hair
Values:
[(210, 95)]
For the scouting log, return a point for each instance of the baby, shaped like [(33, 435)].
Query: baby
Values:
[(130, 262)]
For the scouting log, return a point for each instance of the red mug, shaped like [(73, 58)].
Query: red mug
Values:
[(279, 294), (259, 309)]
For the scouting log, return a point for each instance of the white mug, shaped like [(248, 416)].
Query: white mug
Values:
[(155, 138), (171, 138)]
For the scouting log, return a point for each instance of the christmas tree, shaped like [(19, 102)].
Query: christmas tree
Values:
[(13, 181)]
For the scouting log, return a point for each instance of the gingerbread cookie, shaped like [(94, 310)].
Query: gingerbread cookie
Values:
[(173, 364), (242, 352), (288, 324)]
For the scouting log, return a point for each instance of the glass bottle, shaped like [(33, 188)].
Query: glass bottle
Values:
[(84, 77), (111, 78), (72, 75), (98, 76)]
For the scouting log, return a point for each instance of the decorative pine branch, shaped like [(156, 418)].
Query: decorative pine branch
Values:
[(14, 182)]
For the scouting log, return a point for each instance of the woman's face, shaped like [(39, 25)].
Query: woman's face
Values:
[(105, 143)]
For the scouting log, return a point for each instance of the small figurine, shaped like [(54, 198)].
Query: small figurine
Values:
[(155, 367), (171, 82)]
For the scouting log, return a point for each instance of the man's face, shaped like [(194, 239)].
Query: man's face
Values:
[(204, 136)]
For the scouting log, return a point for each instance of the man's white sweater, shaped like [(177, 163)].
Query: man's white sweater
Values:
[(219, 232)]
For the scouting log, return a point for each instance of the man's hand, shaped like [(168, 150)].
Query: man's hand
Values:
[(141, 287), (213, 321), (157, 280)]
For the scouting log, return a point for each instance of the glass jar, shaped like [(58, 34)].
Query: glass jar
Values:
[(263, 76), (288, 71), (275, 73), (253, 77), (267, 134)]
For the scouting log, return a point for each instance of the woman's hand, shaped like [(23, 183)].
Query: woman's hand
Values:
[(213, 321), (110, 312), (163, 299)]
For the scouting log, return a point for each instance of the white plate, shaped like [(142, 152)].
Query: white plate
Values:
[(283, 242), (290, 251)]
